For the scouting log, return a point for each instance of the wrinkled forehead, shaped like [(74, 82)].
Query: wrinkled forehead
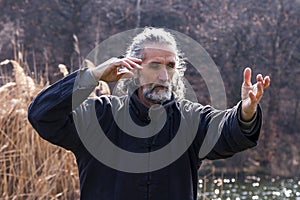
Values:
[(159, 52)]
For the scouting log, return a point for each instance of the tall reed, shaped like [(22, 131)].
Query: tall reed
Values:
[(30, 168)]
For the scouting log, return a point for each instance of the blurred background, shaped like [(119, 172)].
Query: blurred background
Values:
[(42, 41)]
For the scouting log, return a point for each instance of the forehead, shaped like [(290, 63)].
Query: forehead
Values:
[(159, 52)]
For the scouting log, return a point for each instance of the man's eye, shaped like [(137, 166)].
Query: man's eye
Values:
[(154, 65), (171, 65)]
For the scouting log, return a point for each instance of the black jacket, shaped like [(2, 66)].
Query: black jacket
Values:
[(57, 109)]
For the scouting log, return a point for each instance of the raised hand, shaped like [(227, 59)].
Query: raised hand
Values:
[(116, 68), (252, 93)]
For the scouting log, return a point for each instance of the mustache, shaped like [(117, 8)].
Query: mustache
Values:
[(154, 85)]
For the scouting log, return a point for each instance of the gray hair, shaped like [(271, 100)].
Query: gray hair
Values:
[(152, 35)]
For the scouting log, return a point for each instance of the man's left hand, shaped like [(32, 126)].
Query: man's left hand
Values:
[(252, 93)]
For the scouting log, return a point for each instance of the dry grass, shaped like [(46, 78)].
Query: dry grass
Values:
[(30, 168)]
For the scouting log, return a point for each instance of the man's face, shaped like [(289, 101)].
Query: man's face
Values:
[(155, 77)]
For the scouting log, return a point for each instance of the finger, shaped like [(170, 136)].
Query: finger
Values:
[(127, 74), (252, 97), (133, 64), (259, 78), (260, 90), (123, 63), (121, 70), (266, 82), (122, 67), (136, 60), (247, 76)]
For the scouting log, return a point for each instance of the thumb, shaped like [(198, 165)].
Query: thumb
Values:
[(247, 76)]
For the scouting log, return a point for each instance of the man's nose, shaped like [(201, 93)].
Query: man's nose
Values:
[(163, 75)]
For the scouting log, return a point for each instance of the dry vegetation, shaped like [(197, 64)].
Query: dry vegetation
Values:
[(30, 168)]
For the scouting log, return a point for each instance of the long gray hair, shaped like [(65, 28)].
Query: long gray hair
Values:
[(152, 35)]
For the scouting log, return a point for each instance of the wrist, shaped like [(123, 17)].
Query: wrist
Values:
[(247, 115), (94, 74)]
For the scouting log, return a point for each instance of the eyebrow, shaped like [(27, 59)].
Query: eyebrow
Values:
[(155, 62), (158, 62)]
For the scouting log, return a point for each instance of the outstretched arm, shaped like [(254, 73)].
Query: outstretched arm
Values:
[(241, 124)]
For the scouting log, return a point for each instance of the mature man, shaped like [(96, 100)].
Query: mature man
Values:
[(152, 71)]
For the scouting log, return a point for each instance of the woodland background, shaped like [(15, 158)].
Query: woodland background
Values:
[(40, 35)]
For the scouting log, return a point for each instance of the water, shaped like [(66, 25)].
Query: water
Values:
[(250, 188)]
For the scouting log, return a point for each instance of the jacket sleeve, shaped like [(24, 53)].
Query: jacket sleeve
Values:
[(50, 113), (234, 136)]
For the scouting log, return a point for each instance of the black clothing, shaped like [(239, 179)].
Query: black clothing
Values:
[(51, 114)]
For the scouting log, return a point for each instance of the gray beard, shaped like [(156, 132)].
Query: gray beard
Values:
[(157, 96)]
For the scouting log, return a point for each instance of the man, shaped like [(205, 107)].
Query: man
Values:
[(152, 72)]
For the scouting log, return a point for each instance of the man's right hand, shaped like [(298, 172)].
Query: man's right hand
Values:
[(108, 71)]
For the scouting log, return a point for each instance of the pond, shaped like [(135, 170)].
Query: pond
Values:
[(248, 187)]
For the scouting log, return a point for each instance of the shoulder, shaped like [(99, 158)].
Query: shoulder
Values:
[(189, 106)]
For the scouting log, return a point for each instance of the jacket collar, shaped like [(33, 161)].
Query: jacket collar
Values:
[(141, 111)]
